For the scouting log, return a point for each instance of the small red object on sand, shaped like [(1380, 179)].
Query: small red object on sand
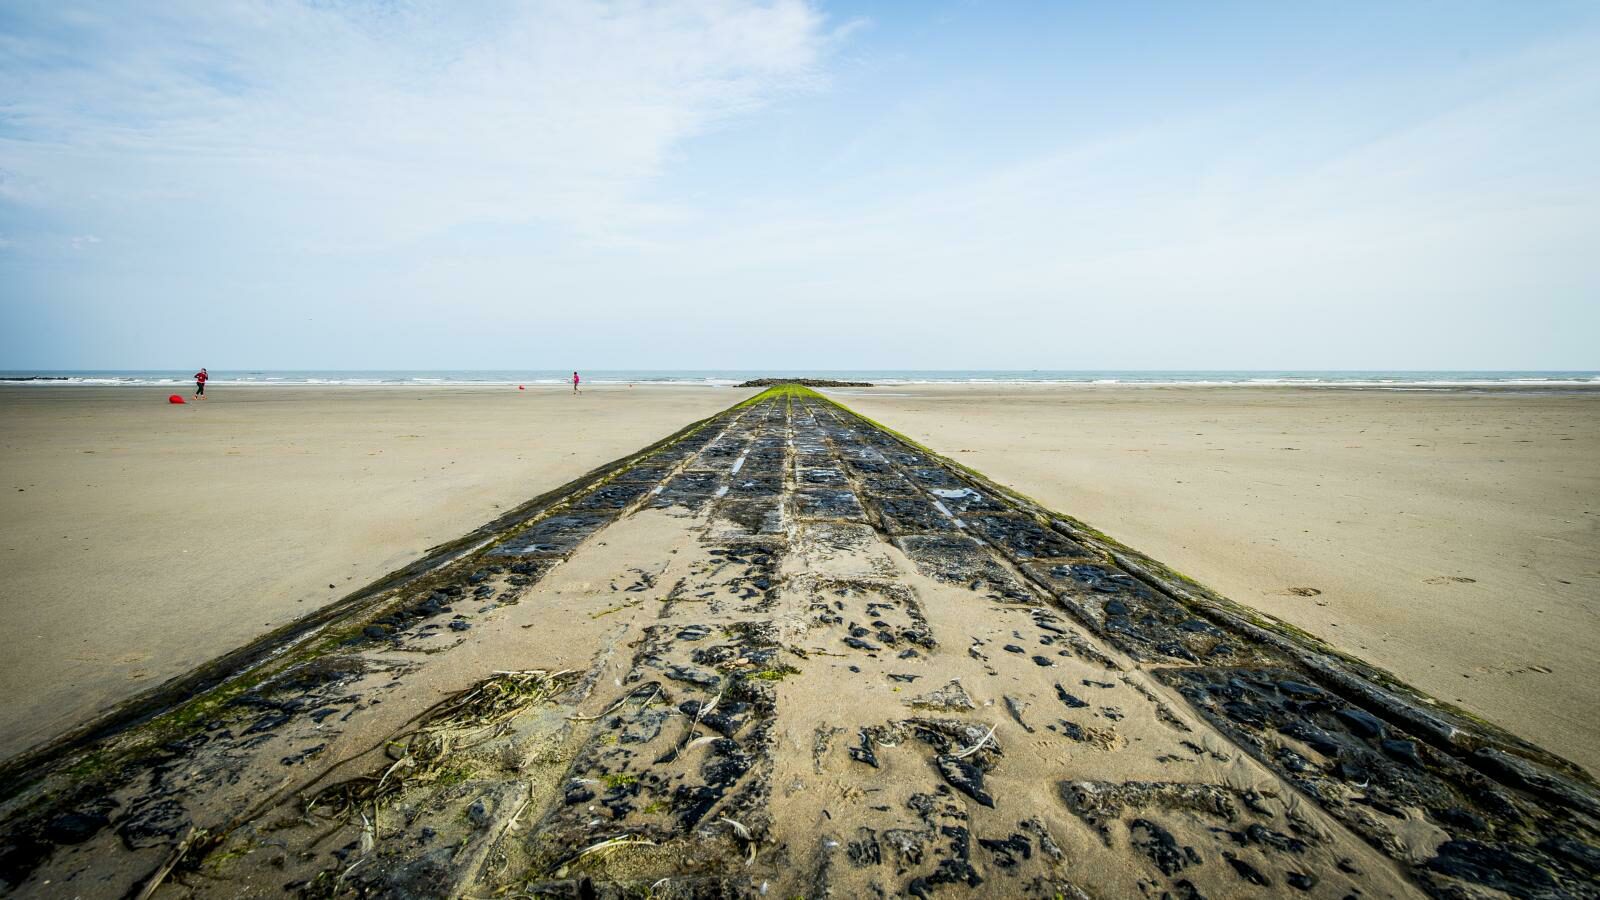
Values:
[(175, 399), (521, 388)]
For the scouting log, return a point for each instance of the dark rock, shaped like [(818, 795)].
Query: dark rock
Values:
[(690, 803), (1298, 690), (964, 777), (1246, 871), (1402, 750), (1008, 852), (1043, 661), (1303, 881), (1159, 846), (803, 382), (1313, 737), (1184, 889), (1266, 837), (864, 851), (1360, 722), (728, 765), (459, 625), (1070, 700), (727, 723), (1574, 852), (1492, 867), (1461, 818)]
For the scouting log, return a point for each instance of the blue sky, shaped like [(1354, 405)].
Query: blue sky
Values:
[(718, 183)]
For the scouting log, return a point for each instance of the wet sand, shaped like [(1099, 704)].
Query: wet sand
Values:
[(138, 539), (1452, 538)]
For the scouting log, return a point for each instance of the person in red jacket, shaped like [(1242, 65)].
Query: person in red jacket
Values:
[(200, 379), (574, 382)]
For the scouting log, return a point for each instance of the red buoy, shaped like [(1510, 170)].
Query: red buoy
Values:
[(175, 399)]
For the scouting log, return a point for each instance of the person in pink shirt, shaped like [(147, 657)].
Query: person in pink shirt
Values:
[(574, 382)]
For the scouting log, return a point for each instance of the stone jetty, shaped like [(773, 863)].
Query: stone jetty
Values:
[(788, 653)]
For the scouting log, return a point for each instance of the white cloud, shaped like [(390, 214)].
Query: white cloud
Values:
[(484, 185), (353, 125)]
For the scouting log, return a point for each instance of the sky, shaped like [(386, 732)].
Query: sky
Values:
[(729, 184)]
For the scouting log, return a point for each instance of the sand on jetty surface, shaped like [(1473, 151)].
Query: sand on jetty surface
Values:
[(1451, 537), (788, 655), (140, 539)]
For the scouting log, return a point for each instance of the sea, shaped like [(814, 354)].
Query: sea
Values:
[(1393, 380)]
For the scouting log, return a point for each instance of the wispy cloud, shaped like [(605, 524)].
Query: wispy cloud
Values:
[(354, 125)]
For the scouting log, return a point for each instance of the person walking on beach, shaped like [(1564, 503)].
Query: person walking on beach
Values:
[(574, 382), (200, 379)]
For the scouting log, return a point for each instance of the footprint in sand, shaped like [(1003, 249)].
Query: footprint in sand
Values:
[(1449, 579), (1521, 670)]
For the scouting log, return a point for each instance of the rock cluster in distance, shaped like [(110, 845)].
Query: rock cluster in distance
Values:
[(805, 382)]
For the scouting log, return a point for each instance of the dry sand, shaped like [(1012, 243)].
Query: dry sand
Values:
[(138, 539), (1452, 538)]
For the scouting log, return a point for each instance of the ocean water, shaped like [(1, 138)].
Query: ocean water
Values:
[(728, 377)]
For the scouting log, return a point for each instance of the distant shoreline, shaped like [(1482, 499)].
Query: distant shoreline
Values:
[(1454, 380)]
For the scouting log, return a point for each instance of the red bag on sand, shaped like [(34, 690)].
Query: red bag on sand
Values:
[(175, 399)]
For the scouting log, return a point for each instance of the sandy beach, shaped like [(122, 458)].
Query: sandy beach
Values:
[(787, 654), (138, 539), (1452, 538)]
